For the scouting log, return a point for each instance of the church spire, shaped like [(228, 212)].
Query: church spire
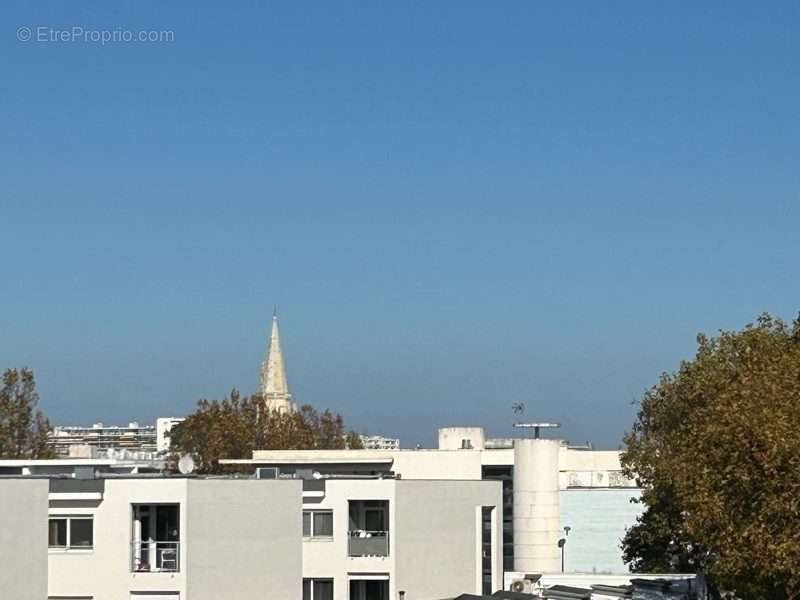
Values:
[(274, 385)]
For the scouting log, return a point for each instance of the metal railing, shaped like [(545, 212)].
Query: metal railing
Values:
[(368, 543), (156, 557)]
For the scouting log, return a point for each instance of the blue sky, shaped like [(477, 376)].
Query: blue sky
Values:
[(456, 206)]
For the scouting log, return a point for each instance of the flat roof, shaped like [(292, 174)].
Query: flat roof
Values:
[(311, 460), (68, 462)]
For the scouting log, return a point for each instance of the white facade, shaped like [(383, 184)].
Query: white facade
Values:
[(536, 516), (229, 539), (542, 496), (163, 427), (432, 544), (23, 529), (147, 538)]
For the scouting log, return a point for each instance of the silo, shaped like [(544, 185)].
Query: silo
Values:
[(536, 506)]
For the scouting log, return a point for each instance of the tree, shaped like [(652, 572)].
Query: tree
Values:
[(235, 426), (353, 441), (23, 428), (716, 448)]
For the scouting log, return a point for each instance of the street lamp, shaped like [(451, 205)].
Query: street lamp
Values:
[(562, 542)]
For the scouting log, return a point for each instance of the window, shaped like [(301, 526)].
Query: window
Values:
[(70, 533), (486, 549), (155, 535), (317, 523), (317, 589)]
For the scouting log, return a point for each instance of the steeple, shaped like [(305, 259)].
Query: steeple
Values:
[(274, 386)]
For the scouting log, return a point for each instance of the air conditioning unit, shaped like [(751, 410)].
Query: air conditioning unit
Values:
[(522, 586), (267, 473)]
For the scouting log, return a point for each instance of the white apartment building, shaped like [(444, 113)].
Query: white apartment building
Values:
[(140, 537), (104, 441), (551, 491)]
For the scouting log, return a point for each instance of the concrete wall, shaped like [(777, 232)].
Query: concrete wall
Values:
[(589, 460), (437, 540), (536, 505), (438, 464), (23, 539), (244, 539), (451, 438), (597, 521)]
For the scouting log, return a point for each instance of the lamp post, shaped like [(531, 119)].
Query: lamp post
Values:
[(562, 542)]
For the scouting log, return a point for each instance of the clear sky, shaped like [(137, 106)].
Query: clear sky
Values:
[(456, 206)]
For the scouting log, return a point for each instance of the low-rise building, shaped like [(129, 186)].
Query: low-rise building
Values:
[(551, 491), (173, 538), (153, 537)]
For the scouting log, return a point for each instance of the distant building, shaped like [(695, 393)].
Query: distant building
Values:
[(378, 442), (98, 441), (273, 385), (163, 427)]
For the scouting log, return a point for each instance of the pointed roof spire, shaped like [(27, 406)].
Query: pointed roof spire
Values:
[(274, 384)]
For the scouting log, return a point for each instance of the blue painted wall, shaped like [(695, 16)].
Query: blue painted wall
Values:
[(598, 519)]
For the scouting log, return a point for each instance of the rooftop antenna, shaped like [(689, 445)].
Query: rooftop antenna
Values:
[(537, 426)]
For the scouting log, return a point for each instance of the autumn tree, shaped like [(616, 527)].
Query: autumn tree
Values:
[(23, 428), (716, 448), (236, 425)]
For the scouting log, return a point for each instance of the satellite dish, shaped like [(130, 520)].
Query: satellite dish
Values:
[(186, 464), (316, 475)]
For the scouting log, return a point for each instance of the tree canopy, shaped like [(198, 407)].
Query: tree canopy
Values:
[(23, 428), (236, 425), (716, 448)]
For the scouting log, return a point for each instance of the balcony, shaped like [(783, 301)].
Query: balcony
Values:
[(368, 531), (368, 543), (156, 545), (155, 557)]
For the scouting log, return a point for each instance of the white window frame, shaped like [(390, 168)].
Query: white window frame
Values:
[(69, 547), (312, 533)]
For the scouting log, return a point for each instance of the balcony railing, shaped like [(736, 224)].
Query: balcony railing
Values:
[(155, 557), (368, 543)]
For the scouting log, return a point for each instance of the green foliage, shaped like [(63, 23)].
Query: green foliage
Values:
[(235, 426), (23, 428), (716, 448), (353, 441)]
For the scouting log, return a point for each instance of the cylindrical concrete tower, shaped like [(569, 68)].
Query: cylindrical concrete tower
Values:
[(536, 506)]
